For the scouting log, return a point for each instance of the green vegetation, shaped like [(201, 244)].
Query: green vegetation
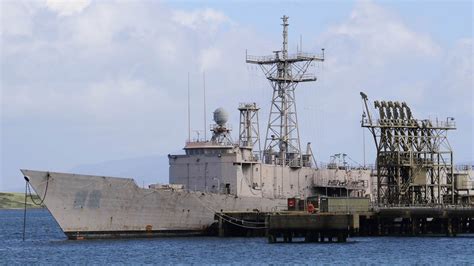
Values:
[(17, 201)]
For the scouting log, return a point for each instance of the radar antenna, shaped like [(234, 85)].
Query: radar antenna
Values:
[(221, 130)]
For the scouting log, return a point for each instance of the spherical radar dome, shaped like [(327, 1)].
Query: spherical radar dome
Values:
[(220, 116)]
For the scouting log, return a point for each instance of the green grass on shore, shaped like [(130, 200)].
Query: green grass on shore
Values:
[(17, 201)]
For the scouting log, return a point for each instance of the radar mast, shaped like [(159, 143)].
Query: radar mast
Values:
[(284, 71)]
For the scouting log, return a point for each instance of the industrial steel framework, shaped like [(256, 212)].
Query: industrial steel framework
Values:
[(249, 128), (284, 71), (414, 157)]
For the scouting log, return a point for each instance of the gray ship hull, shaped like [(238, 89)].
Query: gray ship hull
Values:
[(86, 206)]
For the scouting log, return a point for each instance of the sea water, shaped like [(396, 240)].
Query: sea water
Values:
[(46, 244)]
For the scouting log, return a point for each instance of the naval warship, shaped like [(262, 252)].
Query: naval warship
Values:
[(212, 176)]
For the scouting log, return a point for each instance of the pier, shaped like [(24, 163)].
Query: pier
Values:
[(320, 227), (288, 225), (417, 220)]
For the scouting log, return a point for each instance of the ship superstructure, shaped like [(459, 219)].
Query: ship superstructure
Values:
[(281, 170)]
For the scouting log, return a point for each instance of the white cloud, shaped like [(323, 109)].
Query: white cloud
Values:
[(123, 66), (109, 101), (16, 19), (206, 18), (210, 58), (375, 51), (67, 7), (378, 35), (456, 82), (374, 48), (125, 100), (117, 64)]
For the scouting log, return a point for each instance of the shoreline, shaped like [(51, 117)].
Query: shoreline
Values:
[(16, 201)]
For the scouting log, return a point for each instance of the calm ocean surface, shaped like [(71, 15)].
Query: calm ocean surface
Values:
[(46, 244)]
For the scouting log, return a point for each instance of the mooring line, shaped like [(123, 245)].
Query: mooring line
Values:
[(229, 218), (45, 191), (24, 211)]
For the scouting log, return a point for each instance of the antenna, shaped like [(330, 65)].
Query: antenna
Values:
[(205, 114), (189, 113), (301, 42), (197, 133)]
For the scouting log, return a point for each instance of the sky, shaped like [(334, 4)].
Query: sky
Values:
[(85, 81)]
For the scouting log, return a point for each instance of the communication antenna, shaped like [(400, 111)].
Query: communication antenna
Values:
[(301, 43), (189, 113), (205, 114), (198, 133)]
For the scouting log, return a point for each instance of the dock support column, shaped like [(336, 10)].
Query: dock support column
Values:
[(288, 237), (423, 226), (311, 237), (221, 231), (379, 226), (449, 227), (414, 226), (271, 238), (341, 237)]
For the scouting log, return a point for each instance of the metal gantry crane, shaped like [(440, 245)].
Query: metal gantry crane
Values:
[(414, 158)]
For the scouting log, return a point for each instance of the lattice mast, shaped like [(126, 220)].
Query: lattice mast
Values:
[(284, 72), (249, 134)]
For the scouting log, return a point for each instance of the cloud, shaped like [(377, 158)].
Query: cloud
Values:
[(121, 43), (107, 80), (210, 58), (207, 18), (375, 51), (16, 19), (106, 101), (67, 7), (376, 34), (457, 78)]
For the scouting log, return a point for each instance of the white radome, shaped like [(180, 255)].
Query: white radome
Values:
[(221, 116)]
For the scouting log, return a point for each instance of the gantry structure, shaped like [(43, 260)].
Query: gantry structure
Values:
[(414, 158), (284, 72)]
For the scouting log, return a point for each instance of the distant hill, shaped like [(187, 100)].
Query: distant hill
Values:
[(17, 201), (145, 170)]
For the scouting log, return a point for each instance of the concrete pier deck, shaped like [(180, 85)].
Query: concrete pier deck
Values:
[(418, 220), (286, 226)]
